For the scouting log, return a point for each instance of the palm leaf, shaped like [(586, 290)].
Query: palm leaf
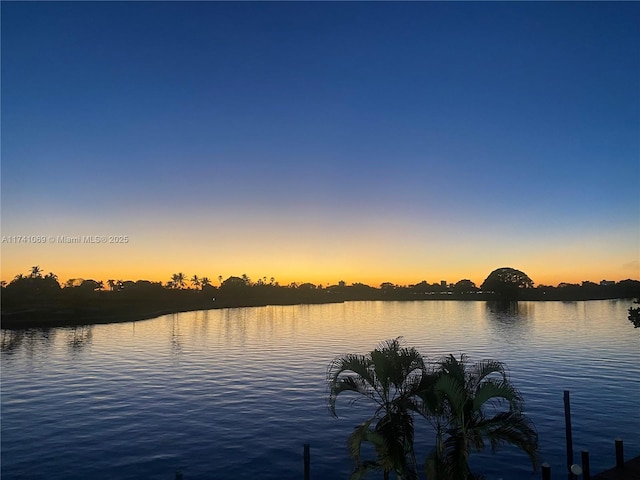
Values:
[(461, 400), (498, 391), (452, 391), (363, 433), (513, 428)]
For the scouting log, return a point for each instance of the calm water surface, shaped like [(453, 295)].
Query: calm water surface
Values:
[(234, 394)]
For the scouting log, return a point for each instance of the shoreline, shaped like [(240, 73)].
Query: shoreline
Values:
[(52, 318)]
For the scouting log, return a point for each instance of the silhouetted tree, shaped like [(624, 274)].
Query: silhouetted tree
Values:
[(472, 404), (33, 288), (178, 280), (422, 287), (36, 272), (91, 285), (507, 283), (234, 282), (465, 286), (387, 287), (390, 376), (73, 282), (195, 281)]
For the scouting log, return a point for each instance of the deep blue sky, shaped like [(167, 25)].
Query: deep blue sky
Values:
[(320, 141)]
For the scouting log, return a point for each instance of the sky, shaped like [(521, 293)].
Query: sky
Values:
[(321, 141)]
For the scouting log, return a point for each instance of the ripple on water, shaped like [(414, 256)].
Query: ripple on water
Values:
[(236, 393)]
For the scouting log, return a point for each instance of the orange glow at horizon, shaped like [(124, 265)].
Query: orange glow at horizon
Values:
[(286, 274), (320, 252)]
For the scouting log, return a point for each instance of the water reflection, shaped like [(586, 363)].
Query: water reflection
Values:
[(238, 376), (79, 337), (505, 310), (33, 342), (11, 340), (175, 341), (510, 320)]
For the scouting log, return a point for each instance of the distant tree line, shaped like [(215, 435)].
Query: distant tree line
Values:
[(42, 294)]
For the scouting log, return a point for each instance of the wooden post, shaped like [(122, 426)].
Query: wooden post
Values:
[(307, 462), (546, 471), (619, 453), (586, 473), (567, 428)]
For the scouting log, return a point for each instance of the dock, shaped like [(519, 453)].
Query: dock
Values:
[(628, 471)]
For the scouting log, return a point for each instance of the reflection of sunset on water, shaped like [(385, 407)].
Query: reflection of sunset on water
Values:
[(232, 378)]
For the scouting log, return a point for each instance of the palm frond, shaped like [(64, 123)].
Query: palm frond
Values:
[(497, 391), (454, 367), (397, 431), (350, 384), (430, 405), (464, 400), (361, 433), (513, 428), (452, 391), (455, 457), (350, 373), (358, 364), (483, 369)]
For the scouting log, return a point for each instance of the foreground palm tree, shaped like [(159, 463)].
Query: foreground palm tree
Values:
[(470, 405), (389, 376)]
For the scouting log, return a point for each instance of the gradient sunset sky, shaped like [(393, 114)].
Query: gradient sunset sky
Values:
[(325, 141)]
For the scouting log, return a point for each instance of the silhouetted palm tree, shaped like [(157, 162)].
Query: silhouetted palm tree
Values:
[(195, 281), (36, 272), (471, 405), (177, 280), (204, 282), (389, 376)]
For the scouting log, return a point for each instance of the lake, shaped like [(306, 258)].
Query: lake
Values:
[(235, 393)]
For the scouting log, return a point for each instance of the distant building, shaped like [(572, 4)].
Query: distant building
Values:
[(443, 283), (604, 283)]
